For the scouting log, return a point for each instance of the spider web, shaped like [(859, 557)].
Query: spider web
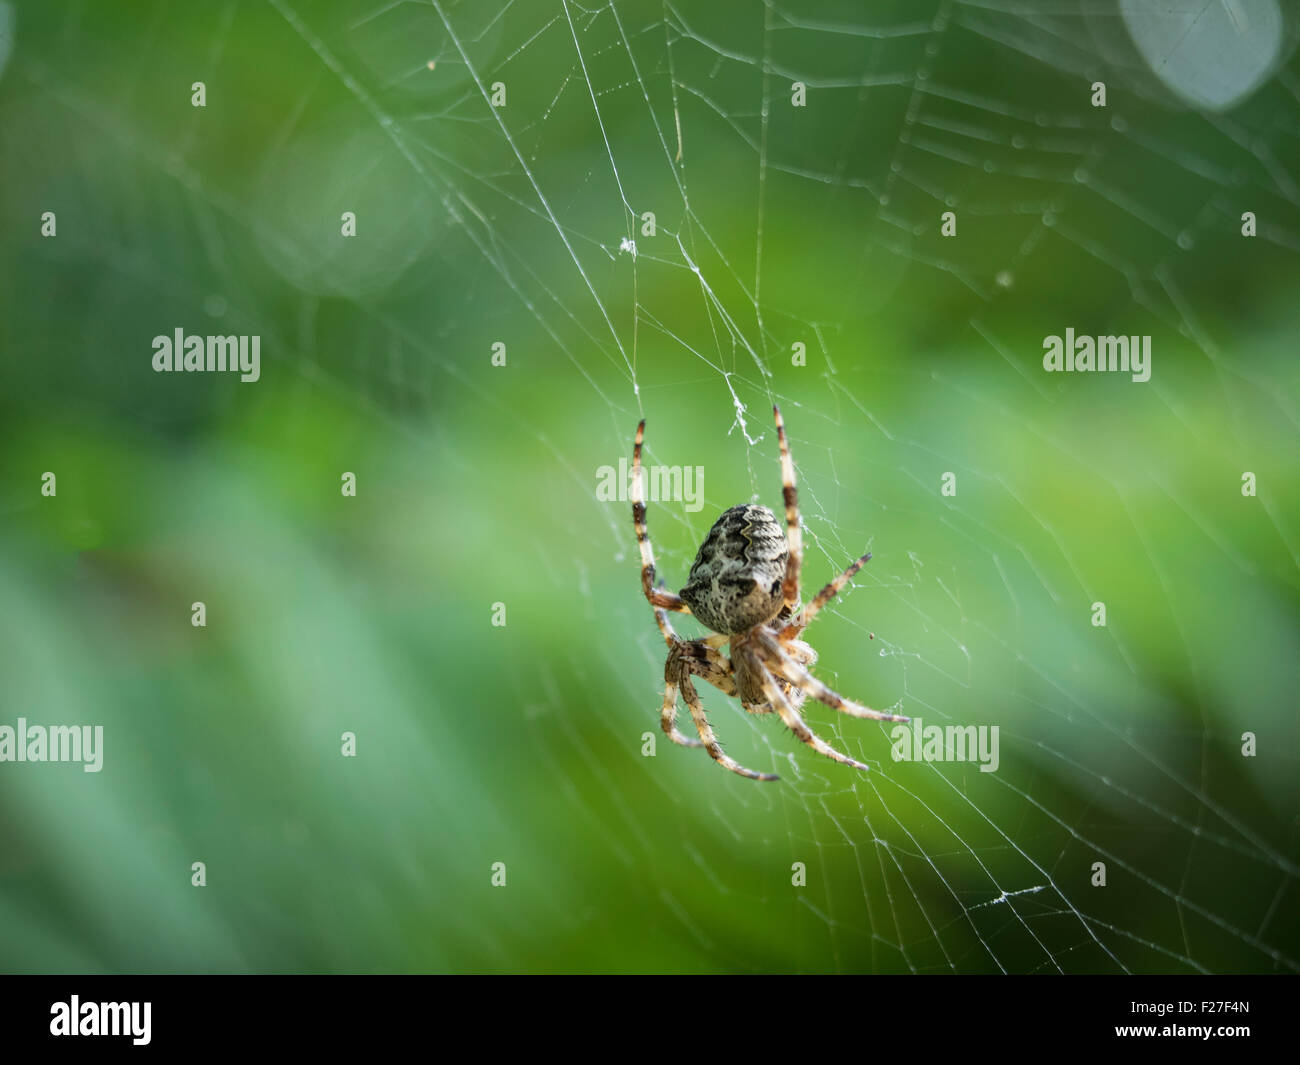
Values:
[(819, 225)]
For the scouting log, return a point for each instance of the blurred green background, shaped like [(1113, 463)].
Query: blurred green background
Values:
[(523, 744)]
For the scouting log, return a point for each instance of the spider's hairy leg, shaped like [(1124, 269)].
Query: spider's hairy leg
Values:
[(668, 718), (657, 597), (799, 677), (666, 626), (797, 725), (794, 535), (698, 657), (711, 743), (828, 593), (704, 661)]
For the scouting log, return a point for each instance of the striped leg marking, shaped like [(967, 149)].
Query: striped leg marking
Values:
[(793, 534), (668, 718), (795, 723), (657, 597), (711, 743), (782, 663), (828, 593)]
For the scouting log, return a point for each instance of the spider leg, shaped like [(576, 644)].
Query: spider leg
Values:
[(711, 743), (668, 718), (710, 665), (666, 626), (685, 658), (658, 598), (798, 676), (796, 724), (794, 535), (828, 593)]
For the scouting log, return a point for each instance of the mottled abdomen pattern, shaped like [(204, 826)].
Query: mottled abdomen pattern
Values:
[(735, 582)]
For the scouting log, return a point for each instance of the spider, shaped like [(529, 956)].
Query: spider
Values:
[(744, 586)]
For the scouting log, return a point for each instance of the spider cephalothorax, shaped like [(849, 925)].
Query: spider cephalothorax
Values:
[(744, 585)]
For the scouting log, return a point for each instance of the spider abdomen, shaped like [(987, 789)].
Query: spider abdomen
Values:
[(735, 581)]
